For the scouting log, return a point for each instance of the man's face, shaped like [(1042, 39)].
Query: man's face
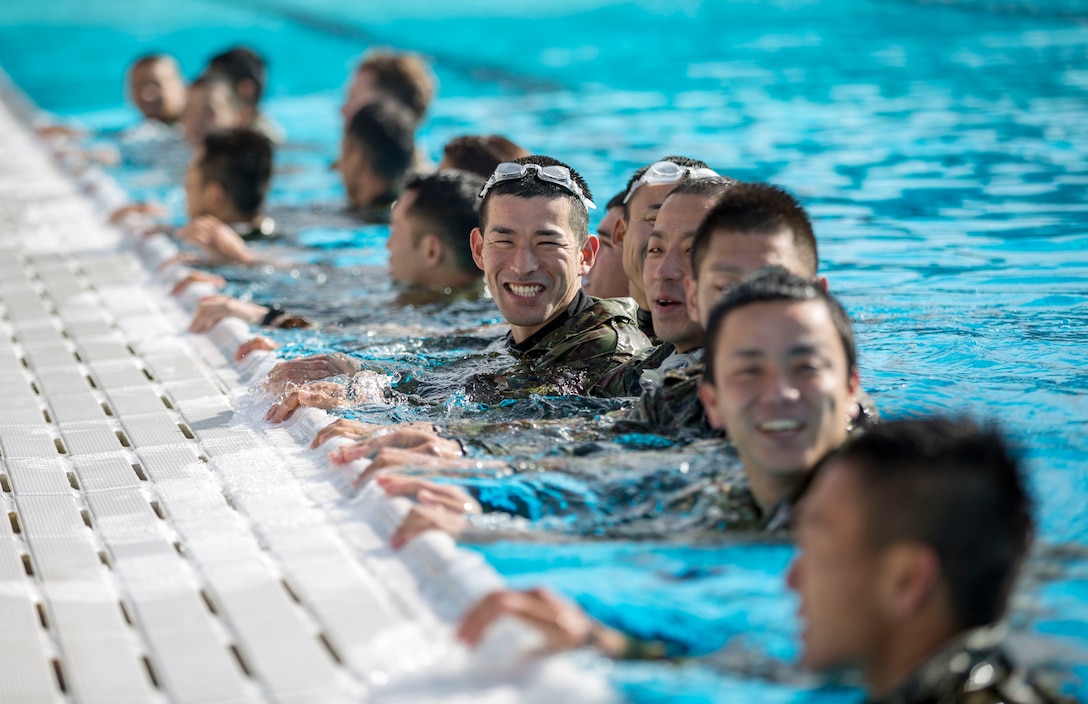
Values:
[(836, 573), (531, 259), (194, 186), (782, 388), (730, 258), (607, 279), (361, 91), (668, 264), (158, 90), (406, 262), (211, 108), (643, 208), (354, 170)]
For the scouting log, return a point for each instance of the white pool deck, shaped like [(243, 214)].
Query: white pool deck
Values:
[(160, 542)]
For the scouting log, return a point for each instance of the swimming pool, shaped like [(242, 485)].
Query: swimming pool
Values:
[(939, 146)]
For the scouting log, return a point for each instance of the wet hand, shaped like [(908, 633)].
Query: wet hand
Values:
[(211, 309), (563, 624), (344, 428), (421, 519), (257, 343), (219, 243), (125, 211), (315, 394), (448, 496), (425, 443), (197, 277), (304, 369)]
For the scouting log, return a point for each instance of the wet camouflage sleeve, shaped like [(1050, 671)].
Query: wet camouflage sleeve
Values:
[(672, 409), (624, 380), (594, 341)]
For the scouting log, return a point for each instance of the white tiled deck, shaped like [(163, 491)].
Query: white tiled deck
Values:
[(158, 543)]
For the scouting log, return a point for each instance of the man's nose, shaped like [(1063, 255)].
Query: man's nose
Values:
[(671, 266), (780, 387), (524, 260)]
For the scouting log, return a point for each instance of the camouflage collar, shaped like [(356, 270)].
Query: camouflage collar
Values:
[(972, 662), (581, 301)]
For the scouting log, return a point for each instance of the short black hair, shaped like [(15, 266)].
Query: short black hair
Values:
[(403, 77), (240, 160), (447, 202), (386, 131), (616, 201), (242, 64), (955, 485), (678, 160), (533, 187), (480, 154), (774, 283), (757, 209)]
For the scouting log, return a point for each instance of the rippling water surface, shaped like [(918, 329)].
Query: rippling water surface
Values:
[(940, 146)]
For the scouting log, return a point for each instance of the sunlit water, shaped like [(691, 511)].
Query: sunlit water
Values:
[(940, 147)]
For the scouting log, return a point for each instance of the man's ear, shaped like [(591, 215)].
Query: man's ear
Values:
[(691, 288), (708, 396), (822, 282), (589, 255), (214, 198), (909, 577), (431, 248), (619, 231), (853, 387), (476, 240)]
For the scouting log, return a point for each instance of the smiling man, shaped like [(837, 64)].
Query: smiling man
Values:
[(533, 246), (646, 191)]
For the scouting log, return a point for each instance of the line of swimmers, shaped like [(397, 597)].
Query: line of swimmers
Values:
[(910, 533)]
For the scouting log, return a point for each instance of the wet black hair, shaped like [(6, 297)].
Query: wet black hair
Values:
[(241, 65), (240, 160), (386, 132), (773, 283), (480, 154), (757, 209), (403, 77), (447, 203), (533, 187), (955, 485)]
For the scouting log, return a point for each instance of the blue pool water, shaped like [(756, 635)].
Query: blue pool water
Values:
[(940, 147)]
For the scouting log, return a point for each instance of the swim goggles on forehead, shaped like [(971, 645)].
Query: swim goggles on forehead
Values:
[(559, 175), (667, 172)]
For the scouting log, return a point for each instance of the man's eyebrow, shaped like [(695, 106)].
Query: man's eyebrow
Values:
[(803, 350), (724, 267)]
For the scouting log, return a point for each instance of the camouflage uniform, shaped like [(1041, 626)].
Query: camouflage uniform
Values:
[(672, 409), (582, 344), (624, 380), (973, 669)]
